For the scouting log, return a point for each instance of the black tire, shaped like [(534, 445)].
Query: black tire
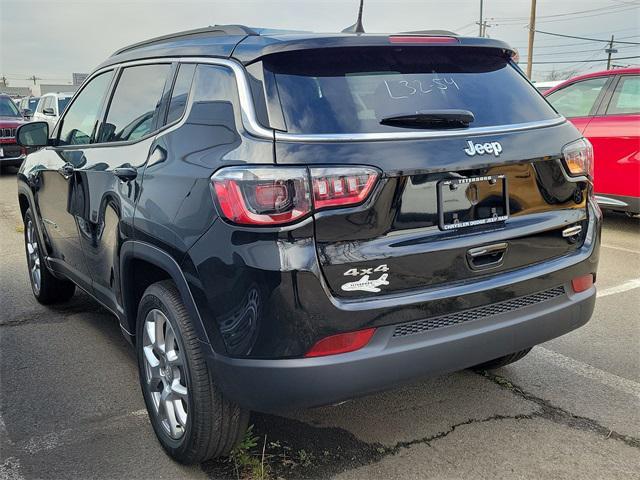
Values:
[(49, 289), (213, 425), (502, 361)]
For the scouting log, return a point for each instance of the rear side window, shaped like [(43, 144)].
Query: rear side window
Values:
[(578, 99), (133, 109), (352, 90), (180, 92), (626, 98)]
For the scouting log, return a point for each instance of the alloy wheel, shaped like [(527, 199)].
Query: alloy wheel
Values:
[(165, 370)]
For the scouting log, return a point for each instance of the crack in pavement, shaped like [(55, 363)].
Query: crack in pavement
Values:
[(427, 440), (559, 415), (54, 315)]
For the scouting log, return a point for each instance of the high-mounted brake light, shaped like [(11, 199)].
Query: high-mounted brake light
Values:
[(280, 195), (341, 343), (578, 158), (421, 39)]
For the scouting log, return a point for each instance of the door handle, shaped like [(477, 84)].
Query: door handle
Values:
[(126, 174), (66, 170), (489, 256)]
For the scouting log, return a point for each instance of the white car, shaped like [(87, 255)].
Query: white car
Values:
[(50, 107), (544, 86)]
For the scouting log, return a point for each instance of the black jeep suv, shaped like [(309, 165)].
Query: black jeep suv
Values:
[(289, 220)]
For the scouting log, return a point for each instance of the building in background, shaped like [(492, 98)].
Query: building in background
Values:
[(15, 92), (52, 88), (79, 78)]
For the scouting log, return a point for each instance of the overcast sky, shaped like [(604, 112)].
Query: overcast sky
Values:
[(52, 38)]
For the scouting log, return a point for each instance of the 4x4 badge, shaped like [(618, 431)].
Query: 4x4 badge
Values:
[(483, 148)]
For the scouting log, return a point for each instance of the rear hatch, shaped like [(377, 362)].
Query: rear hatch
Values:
[(471, 178)]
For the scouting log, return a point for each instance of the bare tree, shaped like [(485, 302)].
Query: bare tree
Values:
[(560, 75)]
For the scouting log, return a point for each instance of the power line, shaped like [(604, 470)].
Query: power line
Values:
[(584, 38), (614, 7), (597, 50), (584, 61), (562, 45), (571, 18)]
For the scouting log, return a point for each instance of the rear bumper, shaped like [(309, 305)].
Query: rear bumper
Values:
[(12, 161), (388, 360), (619, 202)]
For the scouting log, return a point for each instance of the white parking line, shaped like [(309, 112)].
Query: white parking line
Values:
[(592, 373), (10, 466), (84, 433), (623, 287), (622, 249)]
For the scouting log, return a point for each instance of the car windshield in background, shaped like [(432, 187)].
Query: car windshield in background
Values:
[(321, 92), (33, 103), (62, 104), (8, 108)]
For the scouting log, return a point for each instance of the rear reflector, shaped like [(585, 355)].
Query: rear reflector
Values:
[(580, 284), (342, 343), (422, 39)]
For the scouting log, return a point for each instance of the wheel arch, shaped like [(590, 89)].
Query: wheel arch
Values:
[(141, 265)]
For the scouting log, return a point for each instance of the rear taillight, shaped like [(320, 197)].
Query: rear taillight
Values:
[(578, 158), (282, 195), (341, 343), (262, 196), (337, 187)]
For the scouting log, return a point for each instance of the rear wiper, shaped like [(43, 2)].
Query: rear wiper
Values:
[(436, 119)]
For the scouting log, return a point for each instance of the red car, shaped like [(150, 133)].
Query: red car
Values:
[(605, 107), (10, 118)]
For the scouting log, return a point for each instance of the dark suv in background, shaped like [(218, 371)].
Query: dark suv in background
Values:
[(292, 220)]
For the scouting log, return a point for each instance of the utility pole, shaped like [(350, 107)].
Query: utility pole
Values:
[(609, 51), (4, 81), (532, 31), (34, 78), (481, 33)]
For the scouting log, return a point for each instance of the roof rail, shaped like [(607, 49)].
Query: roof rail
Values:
[(205, 31)]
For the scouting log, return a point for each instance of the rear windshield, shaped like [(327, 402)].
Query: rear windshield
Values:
[(350, 90)]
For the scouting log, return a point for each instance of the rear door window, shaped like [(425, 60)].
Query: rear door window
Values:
[(626, 97), (578, 99), (134, 106), (352, 90)]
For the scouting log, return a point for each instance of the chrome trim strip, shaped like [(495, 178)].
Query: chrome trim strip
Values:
[(248, 112), (254, 128), (382, 136), (610, 202)]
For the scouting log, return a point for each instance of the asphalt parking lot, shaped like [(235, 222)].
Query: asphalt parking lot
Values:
[(70, 404)]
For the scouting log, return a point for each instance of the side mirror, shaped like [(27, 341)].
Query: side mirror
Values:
[(34, 134), (27, 113), (48, 111)]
